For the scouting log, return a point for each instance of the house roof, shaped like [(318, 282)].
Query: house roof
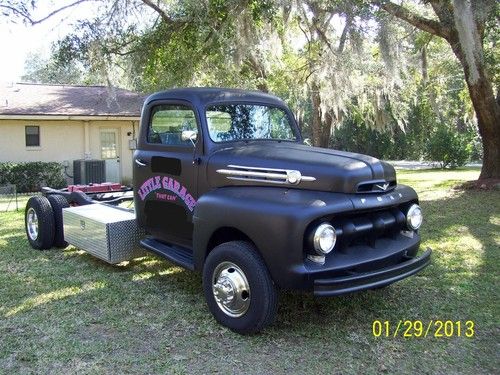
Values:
[(68, 100)]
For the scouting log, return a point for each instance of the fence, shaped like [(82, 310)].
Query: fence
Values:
[(11, 200)]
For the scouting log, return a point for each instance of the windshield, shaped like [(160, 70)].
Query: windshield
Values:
[(234, 122)]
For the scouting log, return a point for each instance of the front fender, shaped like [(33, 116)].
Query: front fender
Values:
[(275, 219)]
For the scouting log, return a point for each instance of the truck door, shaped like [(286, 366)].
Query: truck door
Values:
[(165, 176)]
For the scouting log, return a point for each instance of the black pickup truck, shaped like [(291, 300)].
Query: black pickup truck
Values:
[(224, 185)]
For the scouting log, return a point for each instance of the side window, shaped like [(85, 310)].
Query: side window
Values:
[(32, 135), (168, 122)]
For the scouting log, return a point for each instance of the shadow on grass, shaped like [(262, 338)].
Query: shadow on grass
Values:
[(149, 267), (457, 284), (35, 278)]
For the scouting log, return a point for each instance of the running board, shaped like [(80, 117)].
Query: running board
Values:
[(173, 253)]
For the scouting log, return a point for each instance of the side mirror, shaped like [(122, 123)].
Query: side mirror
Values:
[(308, 142), (189, 135)]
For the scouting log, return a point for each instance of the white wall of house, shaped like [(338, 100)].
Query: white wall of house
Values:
[(65, 140), (59, 141)]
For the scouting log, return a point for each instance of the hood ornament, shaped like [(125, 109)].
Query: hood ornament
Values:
[(269, 175), (383, 186)]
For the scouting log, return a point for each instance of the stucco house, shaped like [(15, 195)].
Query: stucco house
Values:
[(64, 123)]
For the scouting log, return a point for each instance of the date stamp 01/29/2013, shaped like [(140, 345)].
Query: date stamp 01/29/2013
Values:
[(420, 329)]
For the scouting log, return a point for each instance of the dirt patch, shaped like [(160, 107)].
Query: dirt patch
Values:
[(481, 185)]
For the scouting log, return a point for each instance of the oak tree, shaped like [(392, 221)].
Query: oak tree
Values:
[(462, 23)]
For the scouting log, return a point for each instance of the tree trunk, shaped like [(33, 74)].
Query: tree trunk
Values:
[(455, 21), (488, 120), (327, 129), (487, 112), (316, 114), (427, 86), (260, 73), (321, 123)]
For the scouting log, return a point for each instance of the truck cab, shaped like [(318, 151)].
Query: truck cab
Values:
[(224, 185)]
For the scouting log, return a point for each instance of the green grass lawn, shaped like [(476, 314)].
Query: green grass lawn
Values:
[(8, 203), (67, 312)]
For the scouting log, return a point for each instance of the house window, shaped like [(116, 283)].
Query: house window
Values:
[(32, 136)]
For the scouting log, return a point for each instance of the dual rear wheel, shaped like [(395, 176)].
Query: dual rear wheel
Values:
[(44, 223)]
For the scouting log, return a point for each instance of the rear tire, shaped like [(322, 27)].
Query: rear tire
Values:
[(238, 287), (39, 223), (58, 202)]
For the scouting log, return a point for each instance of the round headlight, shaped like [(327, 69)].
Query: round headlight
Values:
[(324, 238), (414, 217)]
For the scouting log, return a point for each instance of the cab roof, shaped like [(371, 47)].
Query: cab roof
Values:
[(202, 96)]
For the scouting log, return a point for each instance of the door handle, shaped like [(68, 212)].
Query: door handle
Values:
[(140, 163)]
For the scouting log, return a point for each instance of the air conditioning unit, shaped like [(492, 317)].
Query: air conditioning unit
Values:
[(89, 171)]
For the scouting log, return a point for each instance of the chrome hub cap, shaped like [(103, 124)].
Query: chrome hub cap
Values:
[(32, 224), (231, 289)]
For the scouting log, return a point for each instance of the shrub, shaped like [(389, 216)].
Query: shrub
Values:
[(449, 148), (32, 176), (475, 145), (357, 137)]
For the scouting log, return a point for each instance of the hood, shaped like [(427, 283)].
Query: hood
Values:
[(262, 163)]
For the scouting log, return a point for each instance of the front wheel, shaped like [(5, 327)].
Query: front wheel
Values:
[(238, 288)]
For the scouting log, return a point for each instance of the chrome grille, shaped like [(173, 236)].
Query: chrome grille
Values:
[(366, 228)]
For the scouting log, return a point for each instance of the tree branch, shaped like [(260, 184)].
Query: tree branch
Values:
[(425, 24), (444, 10), (165, 17), (51, 14), (320, 29), (13, 10), (323, 36), (345, 32)]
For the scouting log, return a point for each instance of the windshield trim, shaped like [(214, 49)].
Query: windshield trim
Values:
[(284, 108)]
